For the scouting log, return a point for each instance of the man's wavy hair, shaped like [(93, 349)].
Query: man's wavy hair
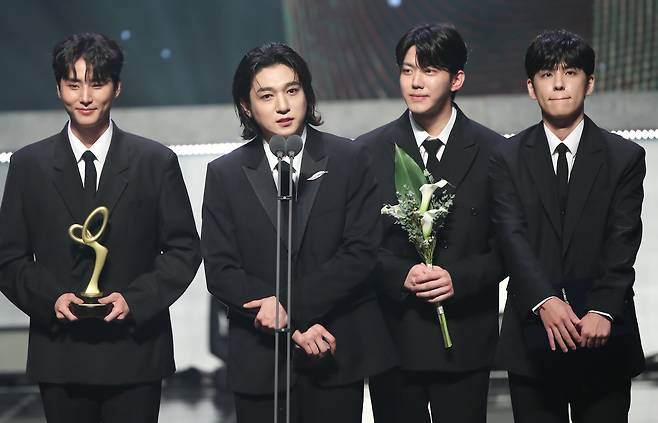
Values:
[(267, 55)]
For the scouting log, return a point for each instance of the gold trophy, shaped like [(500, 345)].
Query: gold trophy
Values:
[(91, 308)]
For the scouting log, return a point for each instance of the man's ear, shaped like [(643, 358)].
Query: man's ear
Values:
[(531, 89), (245, 109), (59, 93), (457, 81), (117, 89), (590, 85)]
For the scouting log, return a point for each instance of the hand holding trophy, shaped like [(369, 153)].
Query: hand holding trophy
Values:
[(91, 308)]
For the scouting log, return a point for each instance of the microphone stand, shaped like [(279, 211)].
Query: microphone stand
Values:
[(277, 291), (291, 197), (292, 148)]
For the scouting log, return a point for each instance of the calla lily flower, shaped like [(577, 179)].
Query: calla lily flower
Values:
[(427, 222), (427, 190)]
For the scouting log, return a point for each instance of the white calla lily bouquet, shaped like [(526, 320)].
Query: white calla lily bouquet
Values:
[(422, 208)]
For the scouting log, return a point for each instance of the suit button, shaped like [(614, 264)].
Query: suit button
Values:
[(562, 212), (474, 211)]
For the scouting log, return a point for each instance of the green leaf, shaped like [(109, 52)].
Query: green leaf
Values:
[(408, 173)]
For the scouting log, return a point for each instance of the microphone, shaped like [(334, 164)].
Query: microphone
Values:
[(278, 146), (293, 145)]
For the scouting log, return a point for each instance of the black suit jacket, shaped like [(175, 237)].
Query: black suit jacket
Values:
[(594, 242), (335, 238), (464, 248), (153, 255)]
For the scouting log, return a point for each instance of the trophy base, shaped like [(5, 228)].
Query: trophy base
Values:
[(91, 308)]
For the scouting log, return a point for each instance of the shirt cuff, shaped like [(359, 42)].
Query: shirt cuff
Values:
[(535, 309), (606, 315)]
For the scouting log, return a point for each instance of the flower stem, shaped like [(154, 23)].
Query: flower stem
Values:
[(443, 322), (447, 342)]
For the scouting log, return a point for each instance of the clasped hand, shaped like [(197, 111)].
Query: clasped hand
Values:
[(565, 330), (429, 284)]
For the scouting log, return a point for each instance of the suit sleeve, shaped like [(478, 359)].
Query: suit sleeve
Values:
[(391, 272), (24, 281), (531, 284), (478, 272), (610, 292), (174, 269), (225, 276), (346, 272)]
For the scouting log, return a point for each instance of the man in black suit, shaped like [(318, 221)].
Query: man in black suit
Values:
[(336, 323), (467, 270), (108, 369), (567, 198)]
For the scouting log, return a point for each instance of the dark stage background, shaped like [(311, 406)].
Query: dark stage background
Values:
[(182, 53)]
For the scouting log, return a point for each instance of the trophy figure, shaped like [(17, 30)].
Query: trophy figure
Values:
[(91, 308)]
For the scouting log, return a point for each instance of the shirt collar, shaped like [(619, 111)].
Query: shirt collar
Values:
[(99, 148), (571, 141), (297, 161), (421, 135)]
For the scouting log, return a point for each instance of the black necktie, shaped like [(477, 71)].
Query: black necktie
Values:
[(284, 169), (562, 176), (90, 175), (432, 146)]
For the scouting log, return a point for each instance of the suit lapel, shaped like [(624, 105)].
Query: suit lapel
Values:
[(114, 176), (314, 160), (258, 173), (537, 159), (66, 177), (460, 151), (587, 165)]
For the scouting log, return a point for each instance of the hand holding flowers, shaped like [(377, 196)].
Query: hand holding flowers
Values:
[(421, 211)]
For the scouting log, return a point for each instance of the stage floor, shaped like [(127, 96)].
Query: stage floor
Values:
[(200, 402)]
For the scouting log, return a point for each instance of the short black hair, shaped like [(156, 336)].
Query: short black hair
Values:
[(267, 55), (553, 48), (437, 45), (102, 55)]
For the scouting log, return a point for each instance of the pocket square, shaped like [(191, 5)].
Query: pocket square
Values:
[(317, 175)]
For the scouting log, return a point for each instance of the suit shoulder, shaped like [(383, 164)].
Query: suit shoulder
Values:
[(147, 146), (486, 135), (231, 159), (36, 150), (376, 135), (509, 147), (620, 145)]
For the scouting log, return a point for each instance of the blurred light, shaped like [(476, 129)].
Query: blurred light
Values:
[(227, 147), (126, 34), (165, 53), (395, 3), (205, 149)]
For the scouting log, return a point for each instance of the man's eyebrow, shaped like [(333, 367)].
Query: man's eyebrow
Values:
[(287, 85)]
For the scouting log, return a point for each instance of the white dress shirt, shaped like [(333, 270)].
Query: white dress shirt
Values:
[(571, 141), (296, 162), (99, 148), (421, 135)]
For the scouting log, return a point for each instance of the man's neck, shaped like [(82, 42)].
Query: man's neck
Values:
[(563, 127), (89, 136), (433, 124)]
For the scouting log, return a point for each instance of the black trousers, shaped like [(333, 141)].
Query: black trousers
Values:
[(403, 396), (309, 403), (64, 403), (591, 400)]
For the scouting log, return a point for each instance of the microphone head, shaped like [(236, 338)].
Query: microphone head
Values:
[(294, 145), (278, 145)]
